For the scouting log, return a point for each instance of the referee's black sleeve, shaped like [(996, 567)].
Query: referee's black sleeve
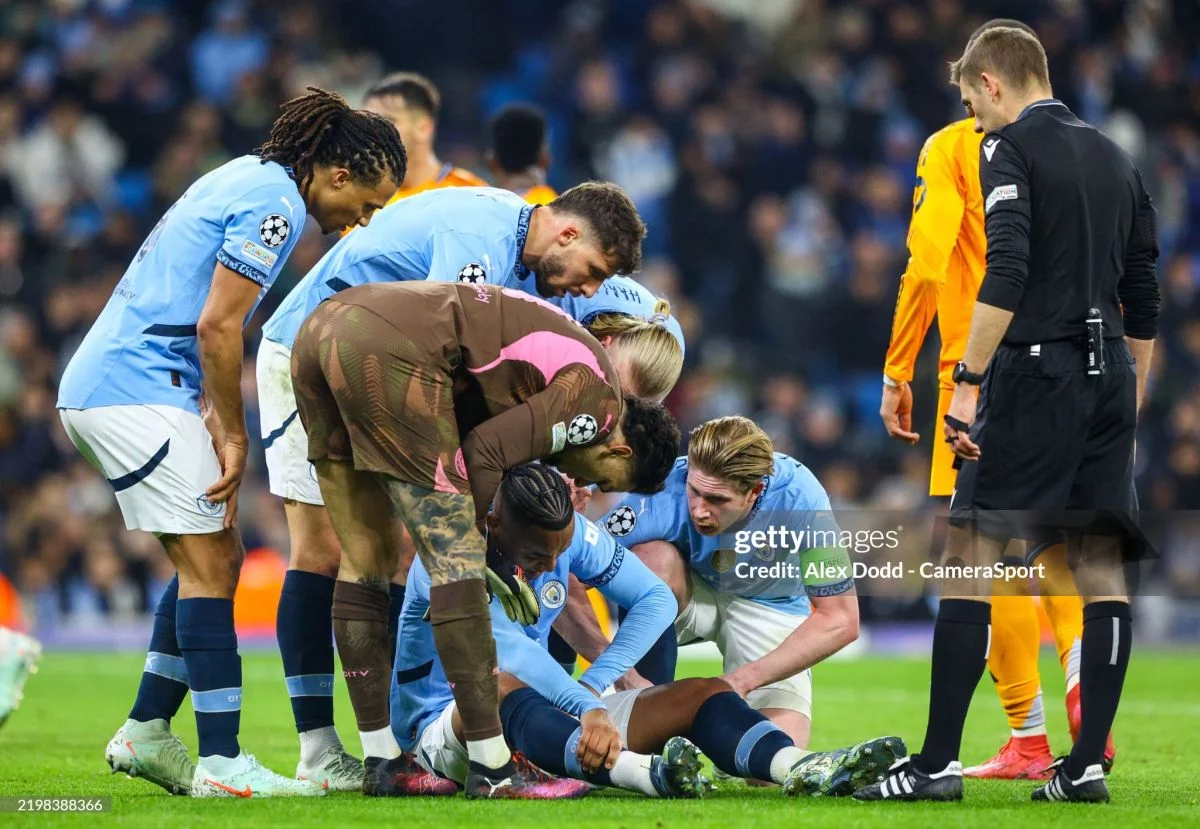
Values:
[(1138, 288), (1004, 176)]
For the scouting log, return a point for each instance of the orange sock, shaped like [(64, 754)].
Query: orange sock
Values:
[(1013, 661), (1064, 609)]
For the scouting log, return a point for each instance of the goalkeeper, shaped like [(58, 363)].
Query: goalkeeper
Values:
[(770, 631)]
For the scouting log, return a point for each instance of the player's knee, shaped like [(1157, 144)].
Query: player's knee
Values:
[(315, 547), (208, 565), (665, 561), (508, 683), (701, 689)]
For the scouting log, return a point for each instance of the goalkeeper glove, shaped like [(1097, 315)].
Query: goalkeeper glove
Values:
[(515, 594)]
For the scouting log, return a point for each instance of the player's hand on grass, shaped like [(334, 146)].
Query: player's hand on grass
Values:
[(600, 742), (631, 680), (896, 411), (232, 457), (514, 593)]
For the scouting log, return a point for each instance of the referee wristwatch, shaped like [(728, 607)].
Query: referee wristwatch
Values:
[(961, 375)]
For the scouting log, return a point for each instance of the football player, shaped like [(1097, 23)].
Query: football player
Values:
[(520, 155), (131, 401), (770, 632)]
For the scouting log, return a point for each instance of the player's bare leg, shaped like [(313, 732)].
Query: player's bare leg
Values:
[(306, 645), (208, 566), (360, 513)]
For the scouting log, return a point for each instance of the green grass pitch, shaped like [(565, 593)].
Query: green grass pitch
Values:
[(54, 745)]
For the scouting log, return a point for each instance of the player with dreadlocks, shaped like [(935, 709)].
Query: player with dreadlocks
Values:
[(152, 398), (631, 740)]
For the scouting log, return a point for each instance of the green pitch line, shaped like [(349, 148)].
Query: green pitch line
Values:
[(54, 745)]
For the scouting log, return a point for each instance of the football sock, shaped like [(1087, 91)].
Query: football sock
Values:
[(563, 653), (739, 740), (360, 629), (209, 646), (303, 626), (165, 677), (1107, 643), (547, 736), (960, 649), (395, 606), (462, 631), (658, 665), (1013, 663)]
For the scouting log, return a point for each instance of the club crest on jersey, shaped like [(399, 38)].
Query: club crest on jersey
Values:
[(722, 561), (206, 506), (553, 594), (274, 230), (583, 429), (620, 521), (473, 274)]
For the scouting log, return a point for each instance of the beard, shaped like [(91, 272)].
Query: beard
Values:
[(550, 267)]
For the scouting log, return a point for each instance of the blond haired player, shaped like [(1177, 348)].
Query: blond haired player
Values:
[(947, 259)]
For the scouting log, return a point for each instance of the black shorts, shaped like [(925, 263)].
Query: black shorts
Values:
[(1056, 444)]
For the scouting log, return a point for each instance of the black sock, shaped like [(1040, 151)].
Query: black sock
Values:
[(547, 736), (739, 740), (960, 643), (164, 679), (658, 665), (304, 628), (563, 653), (1104, 657), (395, 605)]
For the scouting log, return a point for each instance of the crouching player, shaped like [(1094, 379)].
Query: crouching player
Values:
[(770, 632), (532, 520)]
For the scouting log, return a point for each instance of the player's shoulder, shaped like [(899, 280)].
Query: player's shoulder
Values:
[(794, 482), (540, 194), (947, 145)]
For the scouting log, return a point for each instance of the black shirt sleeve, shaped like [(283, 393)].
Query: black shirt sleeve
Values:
[(1138, 288), (1004, 177)]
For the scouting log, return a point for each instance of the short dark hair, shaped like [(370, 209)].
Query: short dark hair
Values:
[(518, 135), (1000, 23), (417, 91), (321, 128), (652, 434), (1013, 54), (534, 493), (612, 217)]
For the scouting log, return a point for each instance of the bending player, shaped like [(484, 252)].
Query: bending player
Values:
[(463, 235), (770, 634), (534, 527), (130, 400), (387, 378), (947, 248)]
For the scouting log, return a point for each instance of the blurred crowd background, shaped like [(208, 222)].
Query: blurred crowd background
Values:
[(769, 144)]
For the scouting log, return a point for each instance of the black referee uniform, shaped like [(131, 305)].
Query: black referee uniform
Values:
[(1070, 228)]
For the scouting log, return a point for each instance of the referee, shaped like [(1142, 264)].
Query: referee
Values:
[(1046, 397)]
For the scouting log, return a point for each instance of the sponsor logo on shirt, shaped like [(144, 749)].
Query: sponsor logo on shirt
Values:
[(259, 254), (989, 148)]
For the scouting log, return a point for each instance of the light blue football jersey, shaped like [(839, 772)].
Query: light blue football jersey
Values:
[(618, 295), (420, 690), (471, 234), (792, 495), (142, 349)]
